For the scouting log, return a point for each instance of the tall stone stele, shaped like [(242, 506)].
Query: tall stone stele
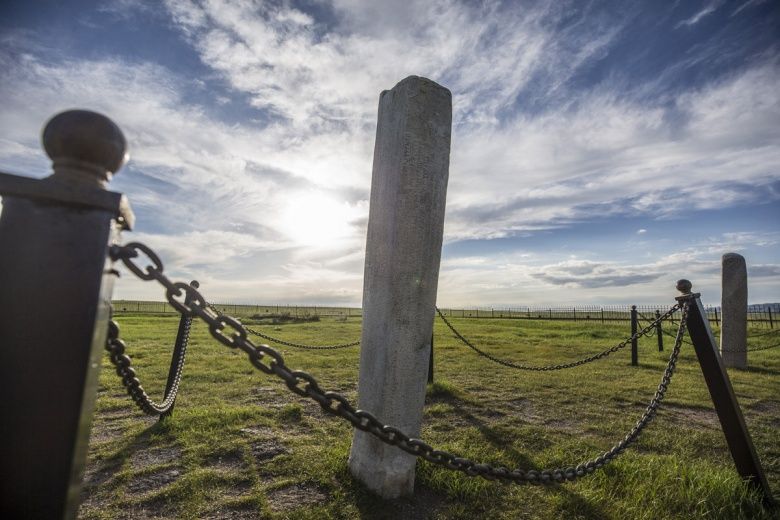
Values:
[(403, 250), (734, 302)]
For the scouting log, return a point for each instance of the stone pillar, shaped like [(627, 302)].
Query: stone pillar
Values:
[(403, 250), (734, 301)]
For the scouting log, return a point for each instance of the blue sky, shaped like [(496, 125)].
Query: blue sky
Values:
[(600, 150)]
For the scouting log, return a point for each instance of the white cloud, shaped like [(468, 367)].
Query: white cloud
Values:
[(288, 195)]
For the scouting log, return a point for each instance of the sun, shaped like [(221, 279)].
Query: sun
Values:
[(316, 219)]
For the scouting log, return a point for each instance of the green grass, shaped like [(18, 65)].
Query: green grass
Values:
[(239, 444)]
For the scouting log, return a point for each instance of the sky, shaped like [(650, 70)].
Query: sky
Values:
[(600, 150)]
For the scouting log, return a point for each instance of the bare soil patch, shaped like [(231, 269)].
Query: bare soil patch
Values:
[(229, 462), (142, 484), (295, 496), (691, 415), (239, 512), (145, 457), (266, 450)]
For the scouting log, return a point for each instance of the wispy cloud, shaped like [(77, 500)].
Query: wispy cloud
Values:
[(705, 11)]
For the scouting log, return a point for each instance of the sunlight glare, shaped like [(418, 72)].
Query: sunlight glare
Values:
[(316, 219)]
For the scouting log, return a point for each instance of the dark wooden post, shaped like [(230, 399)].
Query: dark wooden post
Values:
[(55, 293), (771, 324), (634, 340), (731, 420), (659, 331)]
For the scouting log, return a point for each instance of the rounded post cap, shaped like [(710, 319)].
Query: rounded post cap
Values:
[(684, 286), (194, 284), (85, 141)]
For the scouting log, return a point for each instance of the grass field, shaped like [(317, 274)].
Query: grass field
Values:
[(240, 445)]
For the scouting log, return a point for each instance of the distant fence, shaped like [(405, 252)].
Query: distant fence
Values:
[(758, 316), (238, 309)]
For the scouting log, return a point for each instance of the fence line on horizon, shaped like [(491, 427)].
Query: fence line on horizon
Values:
[(757, 316)]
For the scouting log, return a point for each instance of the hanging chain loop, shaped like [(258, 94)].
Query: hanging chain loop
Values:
[(545, 368), (123, 364)]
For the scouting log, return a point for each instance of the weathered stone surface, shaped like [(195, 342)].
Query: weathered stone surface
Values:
[(405, 228), (734, 301)]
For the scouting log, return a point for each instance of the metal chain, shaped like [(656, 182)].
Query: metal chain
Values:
[(764, 333), (289, 343), (750, 348), (545, 368), (123, 364), (305, 385)]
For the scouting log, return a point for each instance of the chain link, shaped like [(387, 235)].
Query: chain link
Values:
[(124, 369), (546, 368), (333, 403), (290, 343)]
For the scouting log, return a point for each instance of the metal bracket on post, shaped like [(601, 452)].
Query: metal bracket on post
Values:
[(55, 295), (731, 420)]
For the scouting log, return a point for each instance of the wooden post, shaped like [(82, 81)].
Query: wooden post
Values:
[(403, 251), (729, 413), (55, 293), (634, 340)]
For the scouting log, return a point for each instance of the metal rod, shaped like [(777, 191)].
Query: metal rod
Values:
[(731, 420), (634, 339), (659, 331), (430, 363)]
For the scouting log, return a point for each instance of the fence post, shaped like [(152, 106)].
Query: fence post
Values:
[(56, 285), (403, 252), (659, 331), (716, 316), (734, 302), (634, 339), (729, 413), (771, 325)]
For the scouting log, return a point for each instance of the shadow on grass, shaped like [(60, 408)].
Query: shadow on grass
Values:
[(140, 441), (570, 501)]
